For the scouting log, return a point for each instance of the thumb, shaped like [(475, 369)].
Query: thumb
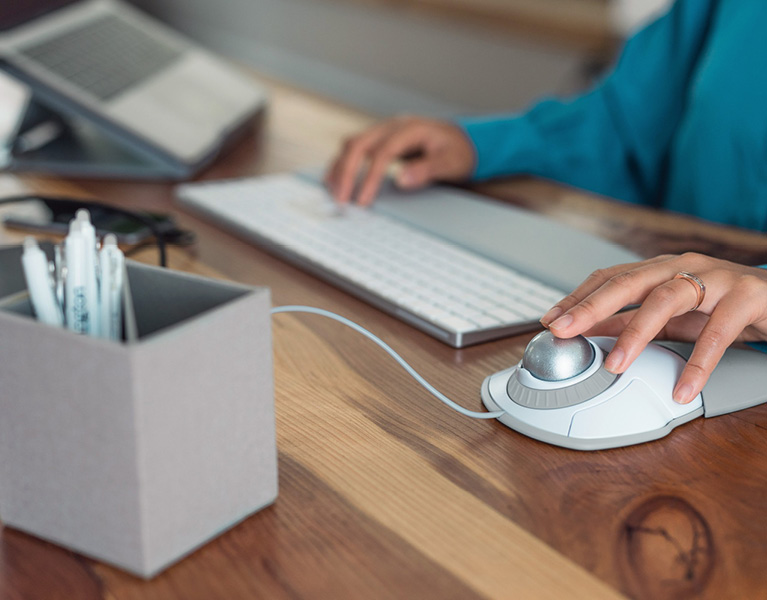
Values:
[(415, 174)]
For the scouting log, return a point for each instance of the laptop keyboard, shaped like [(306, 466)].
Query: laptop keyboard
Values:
[(104, 56), (463, 296)]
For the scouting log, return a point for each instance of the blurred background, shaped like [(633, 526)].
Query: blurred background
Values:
[(426, 56)]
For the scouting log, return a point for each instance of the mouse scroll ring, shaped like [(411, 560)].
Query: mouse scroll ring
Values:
[(700, 287)]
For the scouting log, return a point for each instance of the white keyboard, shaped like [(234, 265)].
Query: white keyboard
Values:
[(445, 290)]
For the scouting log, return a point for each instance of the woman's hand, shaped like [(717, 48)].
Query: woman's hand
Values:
[(435, 150), (734, 308)]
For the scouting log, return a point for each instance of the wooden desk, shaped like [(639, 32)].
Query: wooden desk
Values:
[(385, 493)]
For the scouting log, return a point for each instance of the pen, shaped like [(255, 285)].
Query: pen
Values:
[(37, 274), (111, 268), (75, 293), (89, 265), (59, 272)]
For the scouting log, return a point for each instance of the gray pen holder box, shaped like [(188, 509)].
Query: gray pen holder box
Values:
[(137, 453)]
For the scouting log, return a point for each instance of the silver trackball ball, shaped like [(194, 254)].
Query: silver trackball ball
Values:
[(550, 358)]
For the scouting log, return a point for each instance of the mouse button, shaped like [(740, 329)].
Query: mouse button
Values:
[(674, 366), (660, 369), (679, 410), (634, 410)]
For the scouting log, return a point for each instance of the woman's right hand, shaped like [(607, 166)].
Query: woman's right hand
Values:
[(432, 150), (728, 303)]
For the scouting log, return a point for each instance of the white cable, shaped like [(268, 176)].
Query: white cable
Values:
[(436, 393)]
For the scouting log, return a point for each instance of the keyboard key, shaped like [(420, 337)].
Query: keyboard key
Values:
[(458, 324), (486, 321)]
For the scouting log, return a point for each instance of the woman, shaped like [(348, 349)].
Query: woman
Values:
[(679, 123)]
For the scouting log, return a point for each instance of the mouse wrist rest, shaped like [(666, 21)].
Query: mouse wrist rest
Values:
[(739, 381)]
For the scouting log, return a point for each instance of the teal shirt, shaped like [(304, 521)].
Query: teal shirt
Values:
[(681, 121)]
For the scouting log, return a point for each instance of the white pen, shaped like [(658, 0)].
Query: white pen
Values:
[(90, 265), (111, 268), (39, 284), (59, 272), (75, 292)]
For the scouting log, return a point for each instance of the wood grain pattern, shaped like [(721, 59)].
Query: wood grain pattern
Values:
[(384, 493)]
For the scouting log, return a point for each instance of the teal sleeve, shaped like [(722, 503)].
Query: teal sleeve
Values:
[(612, 140)]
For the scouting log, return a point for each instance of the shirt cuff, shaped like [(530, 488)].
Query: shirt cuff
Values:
[(503, 145)]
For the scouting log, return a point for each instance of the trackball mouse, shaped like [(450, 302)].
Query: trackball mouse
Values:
[(560, 392)]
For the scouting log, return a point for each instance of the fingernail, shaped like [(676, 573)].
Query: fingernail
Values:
[(562, 322), (683, 394), (614, 360), (551, 315)]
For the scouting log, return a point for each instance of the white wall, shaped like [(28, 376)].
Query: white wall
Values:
[(630, 14), (380, 59)]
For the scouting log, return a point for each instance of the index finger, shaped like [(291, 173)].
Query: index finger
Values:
[(590, 285), (400, 142), (342, 174), (627, 288)]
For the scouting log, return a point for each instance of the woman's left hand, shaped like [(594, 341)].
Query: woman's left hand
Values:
[(733, 308)]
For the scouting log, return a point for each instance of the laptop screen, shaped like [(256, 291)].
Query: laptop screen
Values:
[(16, 12)]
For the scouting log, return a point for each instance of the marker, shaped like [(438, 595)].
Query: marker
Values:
[(77, 310), (59, 272), (111, 269), (39, 284), (89, 264)]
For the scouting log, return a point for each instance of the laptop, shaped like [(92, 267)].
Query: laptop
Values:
[(164, 105)]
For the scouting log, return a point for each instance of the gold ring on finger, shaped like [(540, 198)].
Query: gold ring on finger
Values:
[(700, 287)]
